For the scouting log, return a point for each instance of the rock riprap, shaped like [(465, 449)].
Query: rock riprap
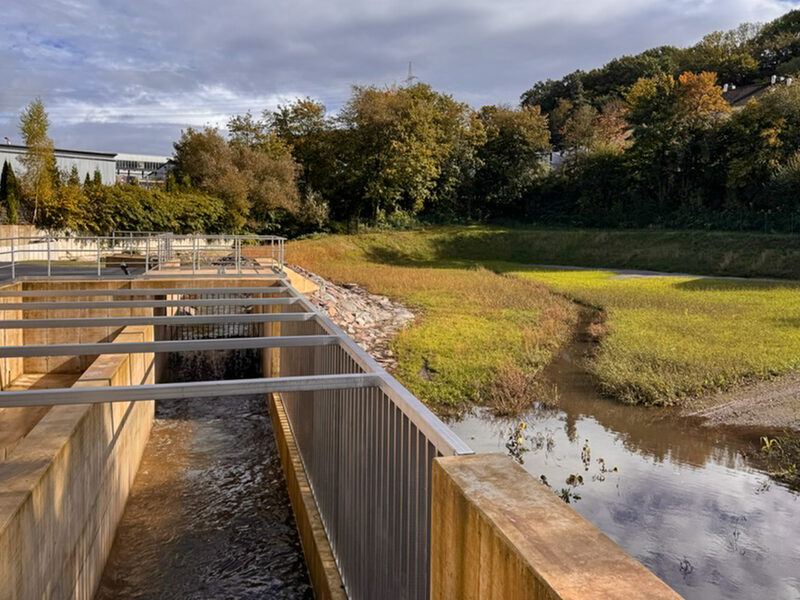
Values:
[(370, 319)]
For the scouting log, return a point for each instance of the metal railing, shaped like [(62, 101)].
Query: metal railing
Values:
[(139, 253), (367, 453)]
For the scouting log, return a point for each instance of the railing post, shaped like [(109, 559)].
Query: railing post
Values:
[(13, 263), (97, 243), (238, 245), (147, 255), (48, 257)]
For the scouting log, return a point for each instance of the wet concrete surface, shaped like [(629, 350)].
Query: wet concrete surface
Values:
[(209, 515)]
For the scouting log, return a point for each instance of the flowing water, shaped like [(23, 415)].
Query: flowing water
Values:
[(209, 515), (679, 497)]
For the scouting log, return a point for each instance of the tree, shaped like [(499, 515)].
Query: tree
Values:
[(64, 209), (206, 160), (511, 157), (39, 160), (546, 94), (698, 97), (9, 193), (725, 53), (405, 149), (74, 178), (254, 173)]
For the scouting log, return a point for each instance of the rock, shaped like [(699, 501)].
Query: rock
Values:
[(371, 320)]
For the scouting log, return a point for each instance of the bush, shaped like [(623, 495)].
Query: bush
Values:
[(133, 208)]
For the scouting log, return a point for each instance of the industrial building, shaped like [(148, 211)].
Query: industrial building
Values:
[(86, 162), (146, 169)]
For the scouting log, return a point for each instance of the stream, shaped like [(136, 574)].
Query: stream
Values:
[(679, 497)]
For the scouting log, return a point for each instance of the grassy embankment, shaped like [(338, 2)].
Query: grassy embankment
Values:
[(479, 331), (669, 337)]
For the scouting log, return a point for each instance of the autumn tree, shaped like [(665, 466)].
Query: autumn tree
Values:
[(699, 98), (253, 173), (39, 160)]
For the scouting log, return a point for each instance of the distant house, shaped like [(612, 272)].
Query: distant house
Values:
[(739, 95), (86, 162)]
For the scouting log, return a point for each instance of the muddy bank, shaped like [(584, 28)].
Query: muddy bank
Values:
[(373, 321), (773, 404)]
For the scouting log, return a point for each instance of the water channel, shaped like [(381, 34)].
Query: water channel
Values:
[(209, 515), (679, 497)]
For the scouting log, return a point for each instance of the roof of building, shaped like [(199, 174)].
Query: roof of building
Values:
[(742, 94), (61, 151)]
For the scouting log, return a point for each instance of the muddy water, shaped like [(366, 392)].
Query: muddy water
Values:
[(678, 497), (209, 516)]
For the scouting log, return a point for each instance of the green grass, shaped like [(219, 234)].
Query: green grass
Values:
[(669, 337), (475, 324)]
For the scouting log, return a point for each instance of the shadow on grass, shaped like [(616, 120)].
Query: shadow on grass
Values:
[(709, 284), (679, 252)]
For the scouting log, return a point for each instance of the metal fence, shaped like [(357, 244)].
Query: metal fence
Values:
[(136, 253), (367, 454)]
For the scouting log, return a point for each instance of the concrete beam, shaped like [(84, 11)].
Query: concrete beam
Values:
[(499, 534)]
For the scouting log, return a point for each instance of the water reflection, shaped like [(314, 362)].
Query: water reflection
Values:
[(680, 498)]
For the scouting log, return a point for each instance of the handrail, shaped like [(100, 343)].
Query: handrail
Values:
[(148, 252)]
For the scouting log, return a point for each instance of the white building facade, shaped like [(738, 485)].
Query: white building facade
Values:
[(86, 162)]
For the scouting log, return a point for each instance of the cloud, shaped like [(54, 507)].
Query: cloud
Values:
[(131, 74)]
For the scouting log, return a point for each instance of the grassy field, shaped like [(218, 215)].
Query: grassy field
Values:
[(669, 337), (479, 331), (672, 337)]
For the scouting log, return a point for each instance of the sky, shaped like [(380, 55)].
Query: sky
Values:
[(128, 76)]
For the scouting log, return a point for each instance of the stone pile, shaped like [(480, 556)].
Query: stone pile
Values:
[(369, 319)]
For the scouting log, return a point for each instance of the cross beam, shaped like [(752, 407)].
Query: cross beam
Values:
[(288, 341), (195, 389)]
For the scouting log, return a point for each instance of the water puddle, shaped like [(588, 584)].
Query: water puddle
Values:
[(678, 497), (209, 515)]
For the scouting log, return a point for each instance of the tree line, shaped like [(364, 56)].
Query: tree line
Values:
[(644, 140)]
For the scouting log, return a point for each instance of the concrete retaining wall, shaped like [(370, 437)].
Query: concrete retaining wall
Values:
[(498, 534), (66, 483)]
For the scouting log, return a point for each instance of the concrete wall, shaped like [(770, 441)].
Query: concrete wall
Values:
[(73, 335), (498, 534), (66, 483)]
